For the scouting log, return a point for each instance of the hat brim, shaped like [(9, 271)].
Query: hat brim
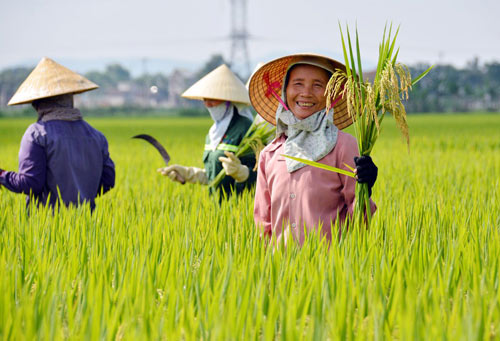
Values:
[(49, 79), (220, 84), (267, 83), (53, 94)]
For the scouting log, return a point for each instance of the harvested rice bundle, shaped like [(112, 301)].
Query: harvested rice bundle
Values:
[(367, 103), (256, 138)]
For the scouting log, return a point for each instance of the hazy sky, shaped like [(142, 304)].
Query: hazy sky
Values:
[(432, 31)]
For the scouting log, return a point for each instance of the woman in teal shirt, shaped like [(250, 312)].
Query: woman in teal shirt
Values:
[(220, 91)]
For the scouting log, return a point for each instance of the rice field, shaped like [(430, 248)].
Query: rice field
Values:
[(159, 260)]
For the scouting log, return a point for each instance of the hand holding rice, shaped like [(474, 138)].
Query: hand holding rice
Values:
[(291, 197)]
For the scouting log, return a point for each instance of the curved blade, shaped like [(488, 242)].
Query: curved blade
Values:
[(156, 144), (161, 149)]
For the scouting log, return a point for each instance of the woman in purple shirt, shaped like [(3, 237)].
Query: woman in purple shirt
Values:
[(291, 197), (62, 158)]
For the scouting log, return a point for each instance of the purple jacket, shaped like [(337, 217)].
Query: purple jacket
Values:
[(66, 157)]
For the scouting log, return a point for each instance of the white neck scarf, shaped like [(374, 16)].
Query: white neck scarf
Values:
[(222, 115), (245, 112), (311, 138)]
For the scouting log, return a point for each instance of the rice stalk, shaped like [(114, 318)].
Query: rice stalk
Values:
[(367, 103), (255, 139), (160, 261)]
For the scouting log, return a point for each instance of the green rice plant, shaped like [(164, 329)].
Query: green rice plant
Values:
[(156, 260), (323, 166), (253, 142), (367, 103)]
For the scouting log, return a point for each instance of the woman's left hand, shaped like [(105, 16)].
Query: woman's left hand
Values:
[(366, 171), (233, 167)]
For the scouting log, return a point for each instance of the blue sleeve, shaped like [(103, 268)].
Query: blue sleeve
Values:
[(32, 168), (108, 171)]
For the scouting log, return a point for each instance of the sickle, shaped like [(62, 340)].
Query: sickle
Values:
[(163, 152)]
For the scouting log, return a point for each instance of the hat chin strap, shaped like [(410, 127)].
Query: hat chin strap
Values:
[(271, 87)]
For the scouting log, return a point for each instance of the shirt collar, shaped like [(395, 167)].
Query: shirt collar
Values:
[(277, 142)]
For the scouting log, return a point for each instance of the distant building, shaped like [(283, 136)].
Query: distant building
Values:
[(178, 82), (135, 94)]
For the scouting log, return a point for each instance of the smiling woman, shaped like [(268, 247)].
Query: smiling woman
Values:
[(292, 198), (305, 91)]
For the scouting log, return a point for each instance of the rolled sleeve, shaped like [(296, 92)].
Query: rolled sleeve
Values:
[(262, 205)]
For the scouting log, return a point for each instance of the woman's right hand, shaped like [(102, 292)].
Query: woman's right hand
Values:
[(175, 173), (184, 174)]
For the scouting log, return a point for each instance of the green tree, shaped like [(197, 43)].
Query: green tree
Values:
[(112, 75), (10, 80), (158, 80), (117, 73), (215, 61)]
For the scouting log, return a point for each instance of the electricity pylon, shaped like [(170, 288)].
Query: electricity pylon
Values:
[(240, 61)]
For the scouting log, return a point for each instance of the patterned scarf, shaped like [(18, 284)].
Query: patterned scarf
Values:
[(311, 138), (57, 108)]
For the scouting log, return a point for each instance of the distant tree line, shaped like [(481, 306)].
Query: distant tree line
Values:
[(448, 89), (119, 92), (10, 79), (445, 89)]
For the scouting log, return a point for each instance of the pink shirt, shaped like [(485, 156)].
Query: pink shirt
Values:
[(286, 202)]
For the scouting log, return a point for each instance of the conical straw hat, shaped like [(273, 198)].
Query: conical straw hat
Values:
[(267, 82), (50, 79), (259, 64), (221, 84)]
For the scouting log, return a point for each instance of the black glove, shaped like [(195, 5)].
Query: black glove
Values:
[(366, 171)]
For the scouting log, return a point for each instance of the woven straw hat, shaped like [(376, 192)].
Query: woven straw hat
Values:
[(267, 83), (259, 64), (221, 84), (50, 79)]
